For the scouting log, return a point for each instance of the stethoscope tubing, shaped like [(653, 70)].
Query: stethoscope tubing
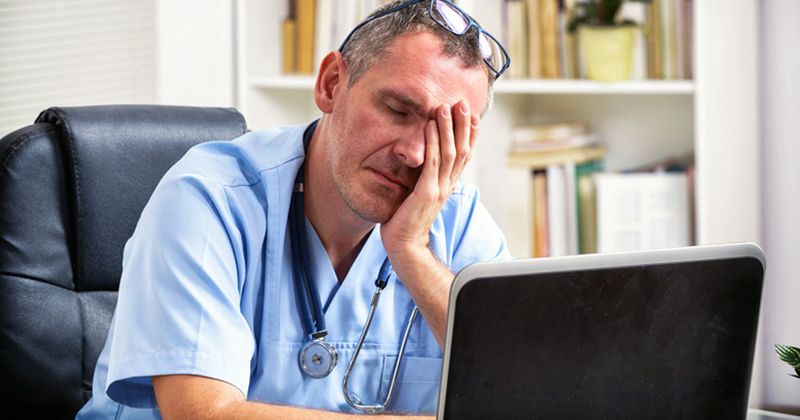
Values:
[(313, 315), (352, 398), (313, 319)]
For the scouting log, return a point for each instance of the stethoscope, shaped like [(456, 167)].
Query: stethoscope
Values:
[(317, 357)]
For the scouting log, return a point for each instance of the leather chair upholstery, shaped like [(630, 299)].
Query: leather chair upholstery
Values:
[(72, 186)]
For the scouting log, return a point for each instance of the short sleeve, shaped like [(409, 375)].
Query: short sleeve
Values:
[(470, 234), (179, 301)]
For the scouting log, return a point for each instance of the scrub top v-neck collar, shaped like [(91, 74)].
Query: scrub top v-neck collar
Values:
[(351, 297), (357, 287)]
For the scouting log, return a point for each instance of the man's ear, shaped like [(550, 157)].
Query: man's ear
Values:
[(332, 74)]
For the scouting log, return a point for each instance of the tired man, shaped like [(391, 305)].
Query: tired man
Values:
[(257, 264)]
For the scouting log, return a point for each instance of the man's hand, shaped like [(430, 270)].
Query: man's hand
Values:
[(449, 140)]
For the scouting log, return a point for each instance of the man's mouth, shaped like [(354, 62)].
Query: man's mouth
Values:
[(392, 180)]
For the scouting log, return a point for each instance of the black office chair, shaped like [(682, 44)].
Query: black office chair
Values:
[(72, 186)]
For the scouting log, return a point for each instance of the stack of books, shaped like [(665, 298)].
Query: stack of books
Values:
[(562, 158)]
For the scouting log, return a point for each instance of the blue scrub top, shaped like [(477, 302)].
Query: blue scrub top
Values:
[(207, 289)]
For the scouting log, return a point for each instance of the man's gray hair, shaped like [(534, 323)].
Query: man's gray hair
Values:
[(368, 43)]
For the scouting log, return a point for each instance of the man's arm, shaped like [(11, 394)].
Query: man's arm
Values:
[(199, 397), (449, 140), (428, 281)]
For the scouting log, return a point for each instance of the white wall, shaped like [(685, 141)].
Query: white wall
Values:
[(195, 52), (780, 136)]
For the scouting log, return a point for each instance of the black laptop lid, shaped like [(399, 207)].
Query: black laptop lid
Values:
[(654, 334)]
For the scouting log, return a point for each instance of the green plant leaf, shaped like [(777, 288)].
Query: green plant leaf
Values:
[(790, 355)]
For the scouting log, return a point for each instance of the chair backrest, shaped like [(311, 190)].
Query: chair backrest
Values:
[(72, 186)]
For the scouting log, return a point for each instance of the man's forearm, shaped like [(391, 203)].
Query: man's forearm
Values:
[(255, 410), (198, 397), (428, 281)]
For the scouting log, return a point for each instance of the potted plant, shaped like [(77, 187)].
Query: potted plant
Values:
[(606, 41), (790, 355)]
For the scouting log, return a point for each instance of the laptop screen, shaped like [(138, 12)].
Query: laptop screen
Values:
[(669, 338)]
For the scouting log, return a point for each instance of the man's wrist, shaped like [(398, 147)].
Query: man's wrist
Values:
[(410, 256)]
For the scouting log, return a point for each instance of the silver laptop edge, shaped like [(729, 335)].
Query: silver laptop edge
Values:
[(583, 262)]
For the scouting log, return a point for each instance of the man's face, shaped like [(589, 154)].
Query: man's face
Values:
[(377, 139)]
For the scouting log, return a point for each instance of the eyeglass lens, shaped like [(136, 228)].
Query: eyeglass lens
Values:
[(491, 51), (455, 21), (450, 17)]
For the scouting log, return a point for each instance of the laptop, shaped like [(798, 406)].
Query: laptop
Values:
[(647, 334)]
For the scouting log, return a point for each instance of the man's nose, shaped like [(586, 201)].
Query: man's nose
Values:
[(411, 149)]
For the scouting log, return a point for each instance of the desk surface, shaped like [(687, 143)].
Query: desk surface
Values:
[(755, 414)]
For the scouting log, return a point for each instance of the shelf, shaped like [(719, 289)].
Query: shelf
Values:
[(589, 87), (577, 87), (284, 82)]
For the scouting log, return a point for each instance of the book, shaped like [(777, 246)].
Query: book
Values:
[(677, 41), (586, 207), (654, 35), (579, 141), (306, 10), (517, 36), (542, 159), (541, 246), (690, 185), (571, 54), (557, 233), (534, 40), (687, 38), (551, 136), (548, 25), (289, 49), (670, 39), (571, 203), (549, 131), (642, 211)]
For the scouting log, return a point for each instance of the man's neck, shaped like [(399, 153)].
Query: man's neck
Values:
[(341, 231)]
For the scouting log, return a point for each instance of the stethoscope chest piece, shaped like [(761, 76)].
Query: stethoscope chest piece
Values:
[(318, 358)]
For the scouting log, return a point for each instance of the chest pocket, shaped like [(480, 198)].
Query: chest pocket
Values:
[(417, 386)]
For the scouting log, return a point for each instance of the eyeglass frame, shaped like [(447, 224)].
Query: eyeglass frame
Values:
[(471, 23)]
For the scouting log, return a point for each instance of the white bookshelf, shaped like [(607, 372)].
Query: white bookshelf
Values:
[(531, 87), (713, 117), (588, 87)]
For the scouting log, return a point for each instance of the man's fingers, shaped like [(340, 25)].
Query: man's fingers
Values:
[(428, 182), (447, 146), (462, 122), (473, 133)]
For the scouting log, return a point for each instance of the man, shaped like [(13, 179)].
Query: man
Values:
[(250, 275)]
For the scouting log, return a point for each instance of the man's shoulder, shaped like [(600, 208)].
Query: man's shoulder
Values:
[(460, 205), (242, 161), (464, 208), (464, 193)]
